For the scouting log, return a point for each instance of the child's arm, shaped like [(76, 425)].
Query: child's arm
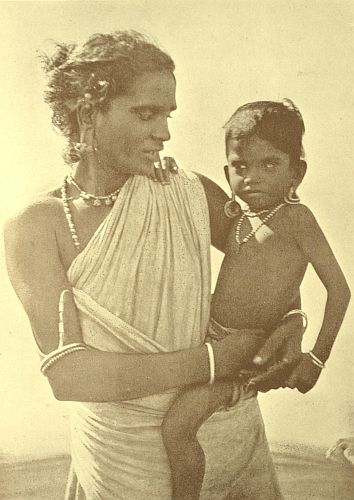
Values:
[(315, 247)]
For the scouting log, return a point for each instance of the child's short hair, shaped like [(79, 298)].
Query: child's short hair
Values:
[(280, 123)]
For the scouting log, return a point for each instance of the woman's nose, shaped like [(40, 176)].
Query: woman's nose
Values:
[(161, 131)]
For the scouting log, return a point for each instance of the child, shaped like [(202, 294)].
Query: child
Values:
[(267, 254)]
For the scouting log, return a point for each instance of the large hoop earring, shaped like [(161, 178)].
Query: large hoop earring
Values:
[(231, 208), (292, 198)]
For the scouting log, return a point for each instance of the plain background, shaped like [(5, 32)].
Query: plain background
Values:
[(227, 53)]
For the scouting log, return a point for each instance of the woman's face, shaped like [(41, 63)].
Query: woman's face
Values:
[(132, 132)]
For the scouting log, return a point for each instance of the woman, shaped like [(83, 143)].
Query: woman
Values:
[(136, 255)]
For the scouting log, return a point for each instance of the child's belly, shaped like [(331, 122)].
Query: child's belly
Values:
[(256, 293)]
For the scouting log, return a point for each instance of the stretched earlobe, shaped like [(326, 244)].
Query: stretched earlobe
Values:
[(226, 171), (292, 198)]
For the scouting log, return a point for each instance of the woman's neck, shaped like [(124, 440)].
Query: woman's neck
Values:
[(98, 180)]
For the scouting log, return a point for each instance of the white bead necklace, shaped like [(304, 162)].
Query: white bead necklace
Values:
[(253, 232), (107, 199), (68, 215), (97, 201)]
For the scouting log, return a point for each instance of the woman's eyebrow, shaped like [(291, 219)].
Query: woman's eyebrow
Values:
[(153, 107)]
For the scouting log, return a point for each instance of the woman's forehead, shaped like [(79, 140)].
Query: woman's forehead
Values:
[(158, 88)]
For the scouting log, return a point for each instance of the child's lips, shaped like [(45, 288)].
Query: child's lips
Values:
[(253, 193)]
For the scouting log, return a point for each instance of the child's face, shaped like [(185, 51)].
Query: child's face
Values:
[(259, 173)]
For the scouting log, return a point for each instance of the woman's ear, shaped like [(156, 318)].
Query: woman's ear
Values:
[(86, 113)]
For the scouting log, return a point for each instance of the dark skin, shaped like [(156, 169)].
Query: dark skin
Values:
[(258, 282)]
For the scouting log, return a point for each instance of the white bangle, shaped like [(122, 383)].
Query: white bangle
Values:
[(54, 356), (211, 363), (301, 313), (316, 360)]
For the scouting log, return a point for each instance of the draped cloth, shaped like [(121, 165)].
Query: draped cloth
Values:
[(142, 284)]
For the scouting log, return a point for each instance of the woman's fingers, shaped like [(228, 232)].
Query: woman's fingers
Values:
[(171, 165), (272, 378), (271, 347), (158, 171), (69, 324)]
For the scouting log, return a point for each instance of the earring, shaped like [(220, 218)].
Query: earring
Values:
[(292, 198), (232, 208), (83, 148)]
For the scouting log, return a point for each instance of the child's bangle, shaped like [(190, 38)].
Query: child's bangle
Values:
[(315, 360), (297, 311), (211, 363)]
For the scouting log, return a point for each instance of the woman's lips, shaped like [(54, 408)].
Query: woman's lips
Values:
[(152, 156)]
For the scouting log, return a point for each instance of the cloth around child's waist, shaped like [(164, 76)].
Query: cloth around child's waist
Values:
[(219, 332)]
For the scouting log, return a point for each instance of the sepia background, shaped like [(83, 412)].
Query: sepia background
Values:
[(227, 53)]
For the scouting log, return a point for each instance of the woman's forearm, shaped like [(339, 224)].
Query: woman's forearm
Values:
[(99, 376)]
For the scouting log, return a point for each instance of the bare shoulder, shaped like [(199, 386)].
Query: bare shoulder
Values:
[(299, 216), (36, 214)]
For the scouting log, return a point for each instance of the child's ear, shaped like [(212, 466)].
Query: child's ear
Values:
[(226, 170), (300, 172)]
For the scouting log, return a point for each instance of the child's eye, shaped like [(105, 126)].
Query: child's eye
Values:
[(238, 165), (269, 165)]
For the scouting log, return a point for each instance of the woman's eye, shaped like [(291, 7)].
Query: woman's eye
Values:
[(145, 114)]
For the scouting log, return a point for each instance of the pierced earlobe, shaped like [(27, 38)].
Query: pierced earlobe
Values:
[(226, 171), (292, 198), (231, 208)]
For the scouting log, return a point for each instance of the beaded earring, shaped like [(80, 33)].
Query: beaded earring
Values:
[(292, 198), (231, 208)]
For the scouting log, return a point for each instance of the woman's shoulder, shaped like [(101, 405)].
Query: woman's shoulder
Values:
[(36, 213)]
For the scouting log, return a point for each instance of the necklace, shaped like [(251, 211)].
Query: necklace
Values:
[(107, 199), (67, 211), (253, 232)]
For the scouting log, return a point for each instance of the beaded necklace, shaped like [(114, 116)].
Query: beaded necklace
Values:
[(65, 199), (253, 232), (67, 211), (107, 199)]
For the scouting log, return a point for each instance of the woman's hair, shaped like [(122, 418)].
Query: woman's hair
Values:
[(102, 68), (279, 123)]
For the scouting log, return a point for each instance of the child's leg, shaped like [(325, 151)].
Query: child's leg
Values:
[(179, 430)]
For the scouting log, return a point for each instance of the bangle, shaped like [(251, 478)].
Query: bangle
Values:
[(54, 356), (316, 360), (211, 363), (297, 311)]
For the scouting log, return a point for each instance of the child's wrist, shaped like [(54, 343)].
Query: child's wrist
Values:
[(316, 361)]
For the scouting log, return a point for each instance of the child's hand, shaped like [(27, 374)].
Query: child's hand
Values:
[(305, 374)]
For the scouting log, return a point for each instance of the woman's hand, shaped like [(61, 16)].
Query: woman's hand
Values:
[(163, 168), (279, 356)]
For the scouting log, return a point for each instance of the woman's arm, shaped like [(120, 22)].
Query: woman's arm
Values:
[(38, 277), (219, 224)]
